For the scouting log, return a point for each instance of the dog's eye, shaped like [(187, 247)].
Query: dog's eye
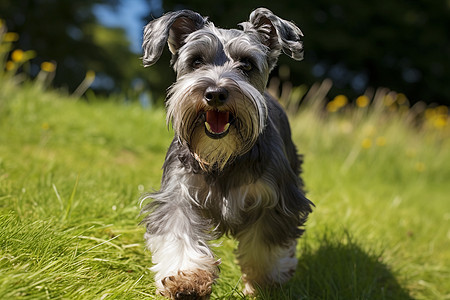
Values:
[(197, 63), (246, 65)]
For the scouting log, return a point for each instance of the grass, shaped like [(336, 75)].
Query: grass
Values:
[(70, 177), (391, 198), (71, 173)]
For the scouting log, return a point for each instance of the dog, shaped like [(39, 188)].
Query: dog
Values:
[(232, 167)]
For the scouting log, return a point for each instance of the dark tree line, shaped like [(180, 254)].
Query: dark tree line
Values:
[(67, 33), (403, 45)]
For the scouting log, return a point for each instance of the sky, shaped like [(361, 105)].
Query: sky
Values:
[(128, 15)]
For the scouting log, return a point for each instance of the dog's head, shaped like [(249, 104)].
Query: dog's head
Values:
[(217, 105)]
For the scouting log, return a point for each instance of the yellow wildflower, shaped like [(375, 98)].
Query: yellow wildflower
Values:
[(90, 75), (340, 100), (441, 117), (366, 143), (45, 126), (17, 55), (388, 100), (332, 107), (437, 117), (48, 67), (401, 99), (440, 121), (362, 101), (10, 37), (9, 65)]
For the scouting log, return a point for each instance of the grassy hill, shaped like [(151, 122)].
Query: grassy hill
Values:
[(71, 173)]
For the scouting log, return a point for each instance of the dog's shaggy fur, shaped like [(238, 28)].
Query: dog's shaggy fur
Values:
[(232, 167)]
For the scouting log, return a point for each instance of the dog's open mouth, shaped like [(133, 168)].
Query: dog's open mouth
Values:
[(217, 124)]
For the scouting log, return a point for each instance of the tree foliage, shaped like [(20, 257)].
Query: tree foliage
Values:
[(403, 45), (68, 33)]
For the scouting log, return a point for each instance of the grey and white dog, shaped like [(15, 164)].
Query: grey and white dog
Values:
[(232, 167)]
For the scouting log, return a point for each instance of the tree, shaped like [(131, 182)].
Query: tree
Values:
[(402, 45), (68, 33)]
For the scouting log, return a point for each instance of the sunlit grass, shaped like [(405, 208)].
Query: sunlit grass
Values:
[(70, 178), (380, 172), (71, 173)]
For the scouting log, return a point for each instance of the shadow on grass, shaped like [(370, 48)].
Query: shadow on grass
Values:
[(339, 269)]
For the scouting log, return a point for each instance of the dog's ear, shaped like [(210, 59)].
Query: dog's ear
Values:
[(276, 33), (171, 28)]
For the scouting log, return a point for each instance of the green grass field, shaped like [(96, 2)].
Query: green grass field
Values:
[(71, 174)]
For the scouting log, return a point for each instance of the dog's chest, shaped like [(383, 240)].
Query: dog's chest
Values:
[(232, 206)]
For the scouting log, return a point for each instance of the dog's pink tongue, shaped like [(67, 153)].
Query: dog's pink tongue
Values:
[(217, 120)]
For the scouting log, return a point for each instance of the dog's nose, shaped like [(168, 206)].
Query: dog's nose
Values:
[(216, 96)]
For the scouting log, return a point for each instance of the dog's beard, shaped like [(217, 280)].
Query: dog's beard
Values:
[(214, 153), (245, 110)]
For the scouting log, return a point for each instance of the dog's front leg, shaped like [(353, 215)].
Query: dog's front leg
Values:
[(264, 264), (184, 266)]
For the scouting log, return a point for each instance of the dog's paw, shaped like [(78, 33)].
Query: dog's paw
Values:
[(188, 285)]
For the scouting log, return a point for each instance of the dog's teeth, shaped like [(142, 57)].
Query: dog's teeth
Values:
[(208, 127)]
